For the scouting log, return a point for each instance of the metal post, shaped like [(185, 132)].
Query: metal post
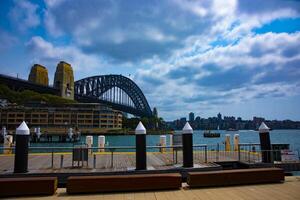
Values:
[(176, 151), (173, 156), (78, 161), (94, 163), (21, 150), (218, 150), (61, 161), (239, 152), (249, 156), (205, 153), (140, 140), (52, 158), (187, 142), (112, 159)]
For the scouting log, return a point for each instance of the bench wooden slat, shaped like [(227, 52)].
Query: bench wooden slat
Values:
[(110, 183), (28, 186), (235, 177)]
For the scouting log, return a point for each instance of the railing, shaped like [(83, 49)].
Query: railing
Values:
[(123, 158), (213, 153), (249, 152)]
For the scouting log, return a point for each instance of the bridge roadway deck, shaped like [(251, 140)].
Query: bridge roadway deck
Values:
[(289, 190), (122, 161)]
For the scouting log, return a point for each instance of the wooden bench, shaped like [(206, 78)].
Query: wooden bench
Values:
[(116, 183), (28, 186), (235, 177)]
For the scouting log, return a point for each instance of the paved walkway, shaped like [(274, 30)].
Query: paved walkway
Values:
[(285, 191)]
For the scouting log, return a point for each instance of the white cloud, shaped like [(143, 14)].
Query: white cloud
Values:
[(260, 55), (198, 8), (24, 15), (156, 35), (180, 50), (49, 21), (53, 3), (46, 53), (111, 28)]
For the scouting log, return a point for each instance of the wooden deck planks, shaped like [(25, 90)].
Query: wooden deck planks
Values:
[(289, 190), (121, 162)]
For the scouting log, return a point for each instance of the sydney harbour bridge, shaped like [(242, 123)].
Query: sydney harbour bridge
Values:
[(116, 91)]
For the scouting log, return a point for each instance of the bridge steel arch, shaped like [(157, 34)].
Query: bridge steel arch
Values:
[(93, 89)]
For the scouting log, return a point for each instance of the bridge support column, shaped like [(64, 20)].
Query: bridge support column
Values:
[(140, 151)]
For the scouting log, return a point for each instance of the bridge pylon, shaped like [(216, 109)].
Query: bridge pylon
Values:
[(64, 80)]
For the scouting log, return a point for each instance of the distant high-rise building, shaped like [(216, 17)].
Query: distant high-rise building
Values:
[(257, 121), (183, 120), (219, 117), (155, 113), (39, 75), (229, 118), (191, 117), (64, 80)]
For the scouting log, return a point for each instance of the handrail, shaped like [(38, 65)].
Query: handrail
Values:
[(110, 147)]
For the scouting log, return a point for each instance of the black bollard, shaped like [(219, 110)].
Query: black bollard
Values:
[(265, 143), (187, 145), (3, 134), (140, 144), (21, 150), (33, 138)]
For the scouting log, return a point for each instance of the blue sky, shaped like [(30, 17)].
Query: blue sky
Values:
[(239, 58)]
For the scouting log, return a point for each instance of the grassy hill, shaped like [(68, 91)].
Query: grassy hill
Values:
[(27, 96)]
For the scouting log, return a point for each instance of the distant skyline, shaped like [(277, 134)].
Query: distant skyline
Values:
[(240, 58)]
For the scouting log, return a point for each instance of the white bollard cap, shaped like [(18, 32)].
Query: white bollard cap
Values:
[(263, 128), (23, 129), (70, 132), (187, 129), (38, 131), (140, 129)]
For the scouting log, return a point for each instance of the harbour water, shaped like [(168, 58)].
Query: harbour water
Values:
[(291, 137)]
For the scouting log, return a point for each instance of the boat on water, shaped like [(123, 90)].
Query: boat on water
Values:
[(232, 129), (209, 134)]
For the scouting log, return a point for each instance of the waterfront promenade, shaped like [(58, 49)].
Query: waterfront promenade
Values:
[(289, 190), (119, 161)]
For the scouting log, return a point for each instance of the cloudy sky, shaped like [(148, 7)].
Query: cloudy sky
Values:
[(239, 58)]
